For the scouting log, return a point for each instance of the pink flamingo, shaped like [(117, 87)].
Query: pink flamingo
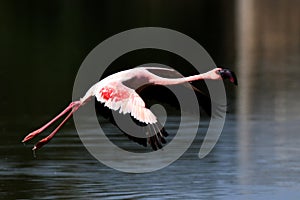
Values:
[(117, 92)]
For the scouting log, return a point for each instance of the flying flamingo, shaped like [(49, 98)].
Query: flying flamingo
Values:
[(118, 92)]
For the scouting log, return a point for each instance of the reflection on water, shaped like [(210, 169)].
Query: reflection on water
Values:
[(64, 169), (257, 156), (268, 101), (268, 59)]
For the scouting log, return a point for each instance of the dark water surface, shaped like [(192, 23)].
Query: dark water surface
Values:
[(266, 165), (257, 156)]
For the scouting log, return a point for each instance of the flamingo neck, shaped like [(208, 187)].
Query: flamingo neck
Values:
[(175, 81)]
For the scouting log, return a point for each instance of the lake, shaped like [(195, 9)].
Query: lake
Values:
[(257, 155), (257, 160)]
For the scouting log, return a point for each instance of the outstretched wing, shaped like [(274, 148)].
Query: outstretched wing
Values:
[(118, 97)]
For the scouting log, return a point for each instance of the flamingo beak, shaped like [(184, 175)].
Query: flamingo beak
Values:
[(228, 74)]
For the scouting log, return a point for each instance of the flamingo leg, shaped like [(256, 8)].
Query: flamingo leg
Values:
[(45, 140), (38, 131)]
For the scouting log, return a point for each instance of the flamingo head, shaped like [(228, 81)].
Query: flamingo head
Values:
[(227, 74)]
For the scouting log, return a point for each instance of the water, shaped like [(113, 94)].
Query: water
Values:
[(265, 165), (257, 155)]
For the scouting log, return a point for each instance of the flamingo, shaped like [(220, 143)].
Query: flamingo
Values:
[(118, 92)]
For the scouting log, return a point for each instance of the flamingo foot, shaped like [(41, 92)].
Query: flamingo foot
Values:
[(73, 105), (31, 135), (41, 143)]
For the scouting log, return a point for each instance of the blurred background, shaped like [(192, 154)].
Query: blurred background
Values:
[(43, 43)]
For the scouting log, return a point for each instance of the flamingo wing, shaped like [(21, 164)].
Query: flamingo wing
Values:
[(124, 100), (117, 96)]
